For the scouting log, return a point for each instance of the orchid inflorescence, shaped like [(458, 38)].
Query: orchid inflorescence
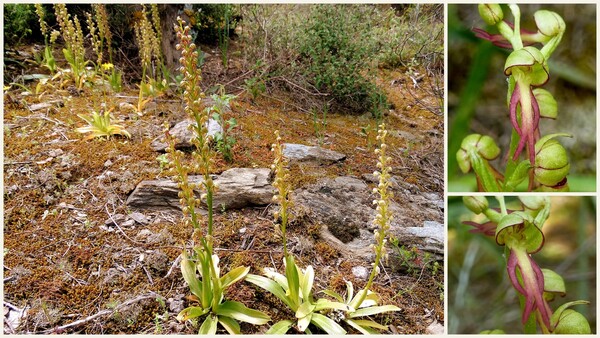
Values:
[(546, 164), (520, 232)]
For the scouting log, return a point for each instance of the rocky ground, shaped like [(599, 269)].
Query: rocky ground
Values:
[(93, 229)]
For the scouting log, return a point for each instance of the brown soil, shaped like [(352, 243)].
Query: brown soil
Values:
[(63, 264)]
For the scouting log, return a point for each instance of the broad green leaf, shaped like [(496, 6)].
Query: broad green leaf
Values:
[(307, 282), (239, 311), (369, 323), (209, 326), (230, 324), (373, 310), (333, 294), (281, 327), (234, 276), (188, 270), (191, 312), (291, 273), (323, 304), (327, 324), (271, 286), (361, 328), (207, 287), (304, 321), (350, 292), (354, 303), (304, 309), (277, 277)]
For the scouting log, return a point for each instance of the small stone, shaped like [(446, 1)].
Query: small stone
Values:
[(118, 218), (143, 235), (140, 218), (176, 306), (360, 272), (55, 152), (435, 328), (126, 107), (243, 230), (108, 163)]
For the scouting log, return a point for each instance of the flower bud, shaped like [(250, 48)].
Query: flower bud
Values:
[(534, 202), (476, 204), (572, 322), (549, 23), (491, 13), (482, 144), (551, 162)]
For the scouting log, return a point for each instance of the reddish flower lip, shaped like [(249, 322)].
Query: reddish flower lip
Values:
[(532, 288), (527, 132)]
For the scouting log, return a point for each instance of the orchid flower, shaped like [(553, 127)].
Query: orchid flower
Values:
[(520, 231)]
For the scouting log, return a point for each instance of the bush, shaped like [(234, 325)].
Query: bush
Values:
[(336, 54), (335, 49), (20, 21)]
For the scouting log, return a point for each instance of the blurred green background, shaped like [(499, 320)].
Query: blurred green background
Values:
[(480, 296), (477, 89)]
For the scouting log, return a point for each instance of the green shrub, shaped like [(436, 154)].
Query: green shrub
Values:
[(19, 21), (328, 54), (336, 53)]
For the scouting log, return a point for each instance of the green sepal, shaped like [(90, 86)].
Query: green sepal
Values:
[(533, 237), (572, 322), (556, 316), (553, 284), (531, 63), (546, 102)]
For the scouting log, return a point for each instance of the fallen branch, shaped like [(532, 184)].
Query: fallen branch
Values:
[(60, 329)]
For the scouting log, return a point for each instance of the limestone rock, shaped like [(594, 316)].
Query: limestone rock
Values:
[(236, 188), (303, 153), (183, 135), (344, 208)]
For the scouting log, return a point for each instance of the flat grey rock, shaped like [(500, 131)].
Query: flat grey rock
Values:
[(183, 135), (236, 188), (303, 153), (344, 208)]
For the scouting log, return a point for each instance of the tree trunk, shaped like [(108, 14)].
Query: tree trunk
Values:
[(168, 18)]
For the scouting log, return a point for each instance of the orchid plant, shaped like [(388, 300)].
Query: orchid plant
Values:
[(208, 291), (520, 232), (545, 163)]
